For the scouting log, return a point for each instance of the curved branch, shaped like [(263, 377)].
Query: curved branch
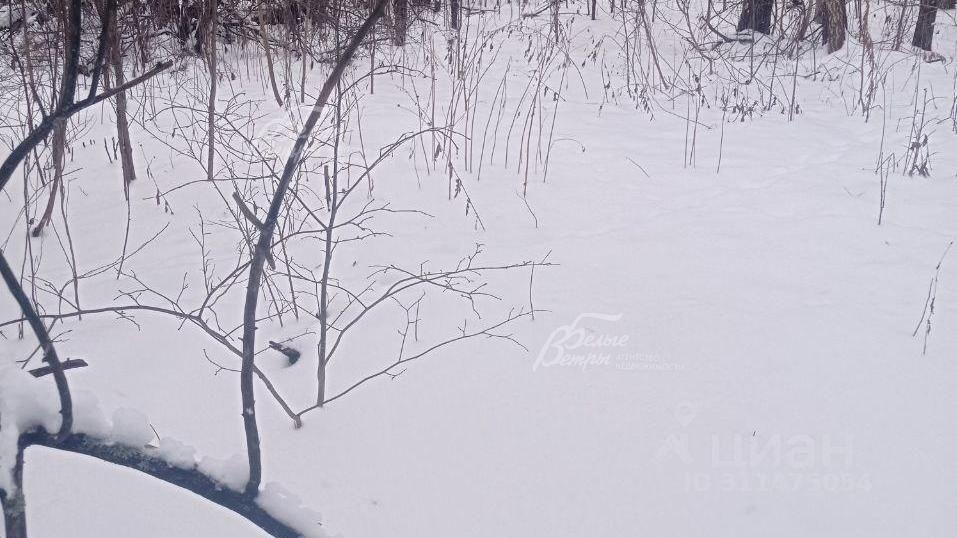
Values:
[(40, 132), (49, 351), (265, 242), (191, 479)]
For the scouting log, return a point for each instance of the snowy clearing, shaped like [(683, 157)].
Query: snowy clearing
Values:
[(532, 275)]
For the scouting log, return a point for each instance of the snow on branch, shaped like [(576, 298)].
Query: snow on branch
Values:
[(257, 510)]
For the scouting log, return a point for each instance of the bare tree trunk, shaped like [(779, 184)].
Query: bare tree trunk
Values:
[(901, 21), (59, 151), (454, 8), (946, 4), (400, 10), (332, 195), (269, 65), (924, 30), (204, 24), (834, 22), (122, 122), (804, 23), (555, 23), (211, 105), (264, 245), (59, 133), (14, 503), (756, 16)]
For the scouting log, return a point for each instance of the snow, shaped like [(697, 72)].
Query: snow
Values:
[(89, 417), (130, 427), (23, 405), (231, 472), (100, 499), (177, 453), (754, 369), (289, 509)]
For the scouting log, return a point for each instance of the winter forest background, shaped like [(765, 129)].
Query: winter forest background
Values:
[(408, 268)]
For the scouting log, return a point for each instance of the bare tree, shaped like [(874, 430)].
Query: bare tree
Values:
[(400, 13), (833, 15), (455, 13), (924, 29), (756, 16), (122, 116), (193, 479)]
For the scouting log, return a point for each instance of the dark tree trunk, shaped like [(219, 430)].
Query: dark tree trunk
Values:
[(454, 8), (14, 503), (946, 4), (59, 160), (924, 31), (204, 24), (756, 16), (122, 122), (834, 20), (400, 9)]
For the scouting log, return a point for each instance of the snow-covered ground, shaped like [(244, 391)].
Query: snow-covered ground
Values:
[(747, 332)]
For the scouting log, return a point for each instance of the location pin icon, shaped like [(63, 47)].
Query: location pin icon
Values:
[(685, 412)]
